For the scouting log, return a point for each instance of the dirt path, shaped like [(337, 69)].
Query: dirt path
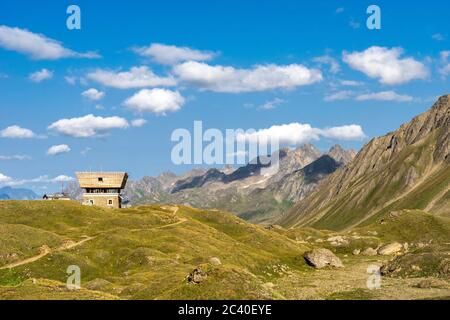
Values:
[(350, 282), (437, 198), (46, 251)]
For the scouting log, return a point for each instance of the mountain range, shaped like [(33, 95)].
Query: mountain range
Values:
[(8, 193), (257, 192), (405, 169)]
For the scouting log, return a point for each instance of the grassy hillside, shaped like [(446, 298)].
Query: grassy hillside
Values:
[(177, 252), (144, 253)]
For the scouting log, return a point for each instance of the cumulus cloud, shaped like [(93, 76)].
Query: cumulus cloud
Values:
[(385, 96), (88, 126), (136, 77), (15, 157), (157, 101), (138, 122), (41, 75), (4, 179), (8, 181), (329, 60), (258, 78), (58, 149), (298, 133), (62, 178), (37, 46), (386, 65), (93, 94), (17, 132), (170, 55)]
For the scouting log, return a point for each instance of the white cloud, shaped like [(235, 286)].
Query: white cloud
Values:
[(62, 178), (85, 151), (297, 134), (157, 101), (93, 94), (272, 104), (329, 60), (258, 78), (88, 126), (15, 157), (171, 55), (58, 149), (17, 132), (350, 83), (136, 77), (41, 75), (8, 181), (350, 132), (37, 46), (4, 179), (386, 65), (138, 122), (340, 95), (385, 96), (438, 37), (444, 70)]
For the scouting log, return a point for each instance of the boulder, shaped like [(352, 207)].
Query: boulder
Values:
[(390, 249), (356, 252), (215, 261), (321, 258), (197, 276), (369, 252)]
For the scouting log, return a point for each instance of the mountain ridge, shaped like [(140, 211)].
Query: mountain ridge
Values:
[(414, 157)]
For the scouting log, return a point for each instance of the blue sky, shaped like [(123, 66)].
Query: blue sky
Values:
[(230, 64)]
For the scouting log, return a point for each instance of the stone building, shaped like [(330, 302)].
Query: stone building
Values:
[(102, 188)]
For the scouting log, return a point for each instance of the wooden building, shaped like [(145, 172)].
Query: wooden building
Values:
[(102, 188)]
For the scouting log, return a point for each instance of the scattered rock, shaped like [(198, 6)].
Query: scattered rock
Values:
[(98, 284), (390, 249), (197, 276), (369, 252), (444, 268), (427, 284), (321, 258), (338, 241), (356, 252), (215, 261), (372, 233), (416, 268)]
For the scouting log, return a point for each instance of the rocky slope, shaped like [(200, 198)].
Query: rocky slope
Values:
[(406, 169)]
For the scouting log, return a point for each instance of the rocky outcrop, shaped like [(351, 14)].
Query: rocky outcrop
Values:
[(390, 249), (321, 258)]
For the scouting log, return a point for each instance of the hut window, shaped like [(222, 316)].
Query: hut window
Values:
[(110, 202), (100, 179)]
